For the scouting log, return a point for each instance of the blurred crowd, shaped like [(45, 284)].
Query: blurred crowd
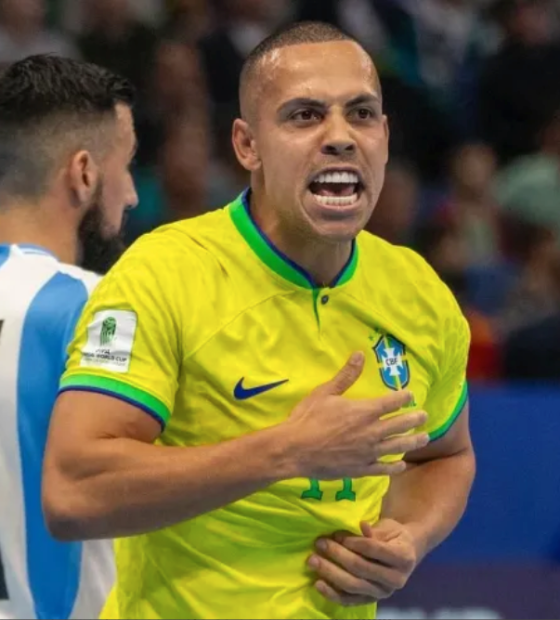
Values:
[(472, 90)]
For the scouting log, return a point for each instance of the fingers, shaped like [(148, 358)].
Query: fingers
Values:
[(383, 469), (340, 598), (343, 581), (400, 424), (392, 556), (401, 445), (345, 378), (382, 577), (389, 403)]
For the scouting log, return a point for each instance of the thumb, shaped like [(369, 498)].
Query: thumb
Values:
[(345, 378), (367, 530)]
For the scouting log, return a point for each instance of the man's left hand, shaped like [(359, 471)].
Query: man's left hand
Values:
[(358, 570)]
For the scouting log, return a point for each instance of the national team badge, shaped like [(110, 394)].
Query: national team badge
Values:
[(393, 365)]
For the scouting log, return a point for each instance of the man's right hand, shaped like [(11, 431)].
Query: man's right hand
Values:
[(341, 438)]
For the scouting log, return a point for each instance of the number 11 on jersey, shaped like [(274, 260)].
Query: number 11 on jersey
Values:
[(314, 491)]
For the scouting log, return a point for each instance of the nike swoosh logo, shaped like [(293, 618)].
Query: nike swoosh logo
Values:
[(242, 393)]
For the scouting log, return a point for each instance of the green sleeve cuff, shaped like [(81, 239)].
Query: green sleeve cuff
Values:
[(438, 433), (118, 389)]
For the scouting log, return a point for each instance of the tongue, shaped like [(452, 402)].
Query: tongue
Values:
[(333, 189)]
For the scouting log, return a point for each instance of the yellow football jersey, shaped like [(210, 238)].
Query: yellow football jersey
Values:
[(206, 326)]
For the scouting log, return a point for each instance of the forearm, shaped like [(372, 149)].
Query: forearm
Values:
[(122, 487), (430, 498)]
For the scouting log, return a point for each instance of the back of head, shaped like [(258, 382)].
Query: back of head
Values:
[(50, 108)]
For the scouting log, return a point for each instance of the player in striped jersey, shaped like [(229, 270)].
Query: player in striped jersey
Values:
[(66, 143)]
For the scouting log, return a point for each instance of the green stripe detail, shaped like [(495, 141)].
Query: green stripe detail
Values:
[(120, 390), (272, 257), (316, 292), (261, 248), (440, 432), (350, 269)]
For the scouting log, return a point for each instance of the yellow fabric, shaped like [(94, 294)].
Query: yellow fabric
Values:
[(210, 312)]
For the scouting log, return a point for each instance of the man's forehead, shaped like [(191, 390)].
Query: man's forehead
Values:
[(300, 70)]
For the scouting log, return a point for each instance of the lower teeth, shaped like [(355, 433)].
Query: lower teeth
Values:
[(336, 201)]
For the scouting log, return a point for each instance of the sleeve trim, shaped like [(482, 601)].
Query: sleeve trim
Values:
[(438, 433), (118, 389)]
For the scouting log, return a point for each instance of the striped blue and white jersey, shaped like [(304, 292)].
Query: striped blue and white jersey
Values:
[(40, 302)]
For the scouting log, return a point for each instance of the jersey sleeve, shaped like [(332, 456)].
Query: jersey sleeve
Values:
[(448, 393), (128, 343)]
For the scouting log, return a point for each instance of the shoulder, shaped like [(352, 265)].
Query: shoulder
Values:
[(189, 239), (76, 276), (402, 269), (50, 308), (172, 270), (182, 253), (410, 282), (60, 301)]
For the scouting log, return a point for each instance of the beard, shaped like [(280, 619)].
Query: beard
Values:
[(100, 250)]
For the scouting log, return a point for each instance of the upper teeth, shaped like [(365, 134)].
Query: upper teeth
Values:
[(337, 177)]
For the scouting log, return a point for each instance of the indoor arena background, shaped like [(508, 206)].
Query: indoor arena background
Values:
[(472, 91)]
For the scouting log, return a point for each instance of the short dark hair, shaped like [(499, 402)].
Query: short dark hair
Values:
[(299, 33), (45, 101)]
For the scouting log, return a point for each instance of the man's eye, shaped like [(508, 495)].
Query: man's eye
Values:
[(305, 115), (363, 114)]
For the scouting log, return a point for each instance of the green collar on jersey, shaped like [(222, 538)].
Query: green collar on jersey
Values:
[(274, 258)]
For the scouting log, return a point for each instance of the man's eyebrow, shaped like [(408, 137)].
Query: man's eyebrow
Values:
[(319, 104), (302, 102), (365, 98)]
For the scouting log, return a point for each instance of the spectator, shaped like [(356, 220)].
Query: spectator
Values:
[(72, 14), (188, 20), (172, 171), (447, 253), (176, 89), (533, 352), (469, 207), (245, 23), (114, 38), (535, 296), (396, 208), (357, 17), (529, 188), (23, 32), (519, 83)]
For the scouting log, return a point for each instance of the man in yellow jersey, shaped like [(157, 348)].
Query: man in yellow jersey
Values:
[(243, 385)]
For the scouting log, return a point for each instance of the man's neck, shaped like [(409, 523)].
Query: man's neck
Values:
[(322, 260), (29, 224)]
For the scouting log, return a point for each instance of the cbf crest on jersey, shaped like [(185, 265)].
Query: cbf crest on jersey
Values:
[(393, 365)]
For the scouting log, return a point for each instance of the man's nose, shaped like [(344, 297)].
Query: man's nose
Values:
[(338, 138)]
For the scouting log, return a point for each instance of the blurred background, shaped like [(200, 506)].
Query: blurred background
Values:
[(472, 91)]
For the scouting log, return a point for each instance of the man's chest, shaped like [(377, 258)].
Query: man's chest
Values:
[(253, 371)]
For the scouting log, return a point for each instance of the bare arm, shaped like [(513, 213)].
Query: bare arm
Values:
[(430, 497), (114, 483), (104, 478)]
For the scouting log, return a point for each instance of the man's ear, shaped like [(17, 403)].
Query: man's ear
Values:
[(245, 146), (83, 175)]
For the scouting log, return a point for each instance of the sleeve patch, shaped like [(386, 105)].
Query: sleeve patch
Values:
[(110, 341)]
